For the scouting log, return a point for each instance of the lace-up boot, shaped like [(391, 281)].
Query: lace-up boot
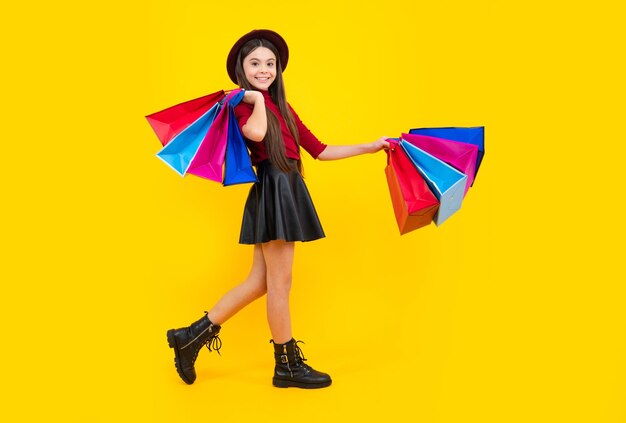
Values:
[(187, 343), (291, 369)]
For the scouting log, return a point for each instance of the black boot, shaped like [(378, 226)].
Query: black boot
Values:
[(291, 370), (187, 342)]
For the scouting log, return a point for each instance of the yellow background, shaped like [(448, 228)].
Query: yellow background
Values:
[(512, 310)]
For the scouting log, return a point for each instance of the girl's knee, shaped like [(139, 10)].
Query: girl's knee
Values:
[(279, 283), (257, 286), (260, 289)]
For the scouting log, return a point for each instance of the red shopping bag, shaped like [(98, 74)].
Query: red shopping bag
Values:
[(413, 202), (171, 121)]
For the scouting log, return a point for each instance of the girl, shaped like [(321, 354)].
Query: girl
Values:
[(278, 211)]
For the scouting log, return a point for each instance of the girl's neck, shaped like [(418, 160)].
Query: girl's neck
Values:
[(266, 95)]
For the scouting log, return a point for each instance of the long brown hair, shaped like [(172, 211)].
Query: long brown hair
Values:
[(274, 142)]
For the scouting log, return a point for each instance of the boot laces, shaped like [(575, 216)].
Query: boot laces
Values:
[(299, 355), (214, 342)]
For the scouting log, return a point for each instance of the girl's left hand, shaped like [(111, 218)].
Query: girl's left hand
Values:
[(252, 97), (379, 144)]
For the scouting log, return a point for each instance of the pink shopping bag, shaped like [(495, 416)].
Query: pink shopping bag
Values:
[(461, 156)]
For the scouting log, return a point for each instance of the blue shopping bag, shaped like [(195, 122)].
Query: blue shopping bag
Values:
[(238, 169), (471, 135), (447, 183), (180, 151)]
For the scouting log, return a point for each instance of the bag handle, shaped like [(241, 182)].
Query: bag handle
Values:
[(229, 95), (393, 144)]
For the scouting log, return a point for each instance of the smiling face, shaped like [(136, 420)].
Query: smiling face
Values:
[(260, 68)]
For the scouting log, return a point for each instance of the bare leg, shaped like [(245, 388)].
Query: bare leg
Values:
[(243, 294), (279, 261)]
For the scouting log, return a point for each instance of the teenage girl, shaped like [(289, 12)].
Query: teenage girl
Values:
[(278, 211)]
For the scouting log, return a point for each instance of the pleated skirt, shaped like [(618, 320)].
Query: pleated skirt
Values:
[(279, 206)]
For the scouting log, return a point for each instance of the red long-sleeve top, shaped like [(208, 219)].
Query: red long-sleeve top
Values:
[(258, 152)]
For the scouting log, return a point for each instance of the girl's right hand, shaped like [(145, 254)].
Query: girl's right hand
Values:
[(252, 97), (380, 144)]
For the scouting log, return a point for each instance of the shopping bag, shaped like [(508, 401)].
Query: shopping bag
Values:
[(171, 121), (459, 155), (447, 183), (180, 151), (471, 135), (209, 159), (414, 204), (238, 166)]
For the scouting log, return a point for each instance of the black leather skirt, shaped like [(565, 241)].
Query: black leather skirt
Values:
[(279, 207)]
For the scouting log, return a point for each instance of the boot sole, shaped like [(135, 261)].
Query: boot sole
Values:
[(171, 341), (281, 383)]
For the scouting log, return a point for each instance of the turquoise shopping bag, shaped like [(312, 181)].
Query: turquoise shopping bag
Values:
[(447, 183), (180, 151)]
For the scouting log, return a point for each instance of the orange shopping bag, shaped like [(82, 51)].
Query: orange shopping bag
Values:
[(414, 204)]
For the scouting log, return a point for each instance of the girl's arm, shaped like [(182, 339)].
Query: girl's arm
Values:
[(256, 126), (335, 152)]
